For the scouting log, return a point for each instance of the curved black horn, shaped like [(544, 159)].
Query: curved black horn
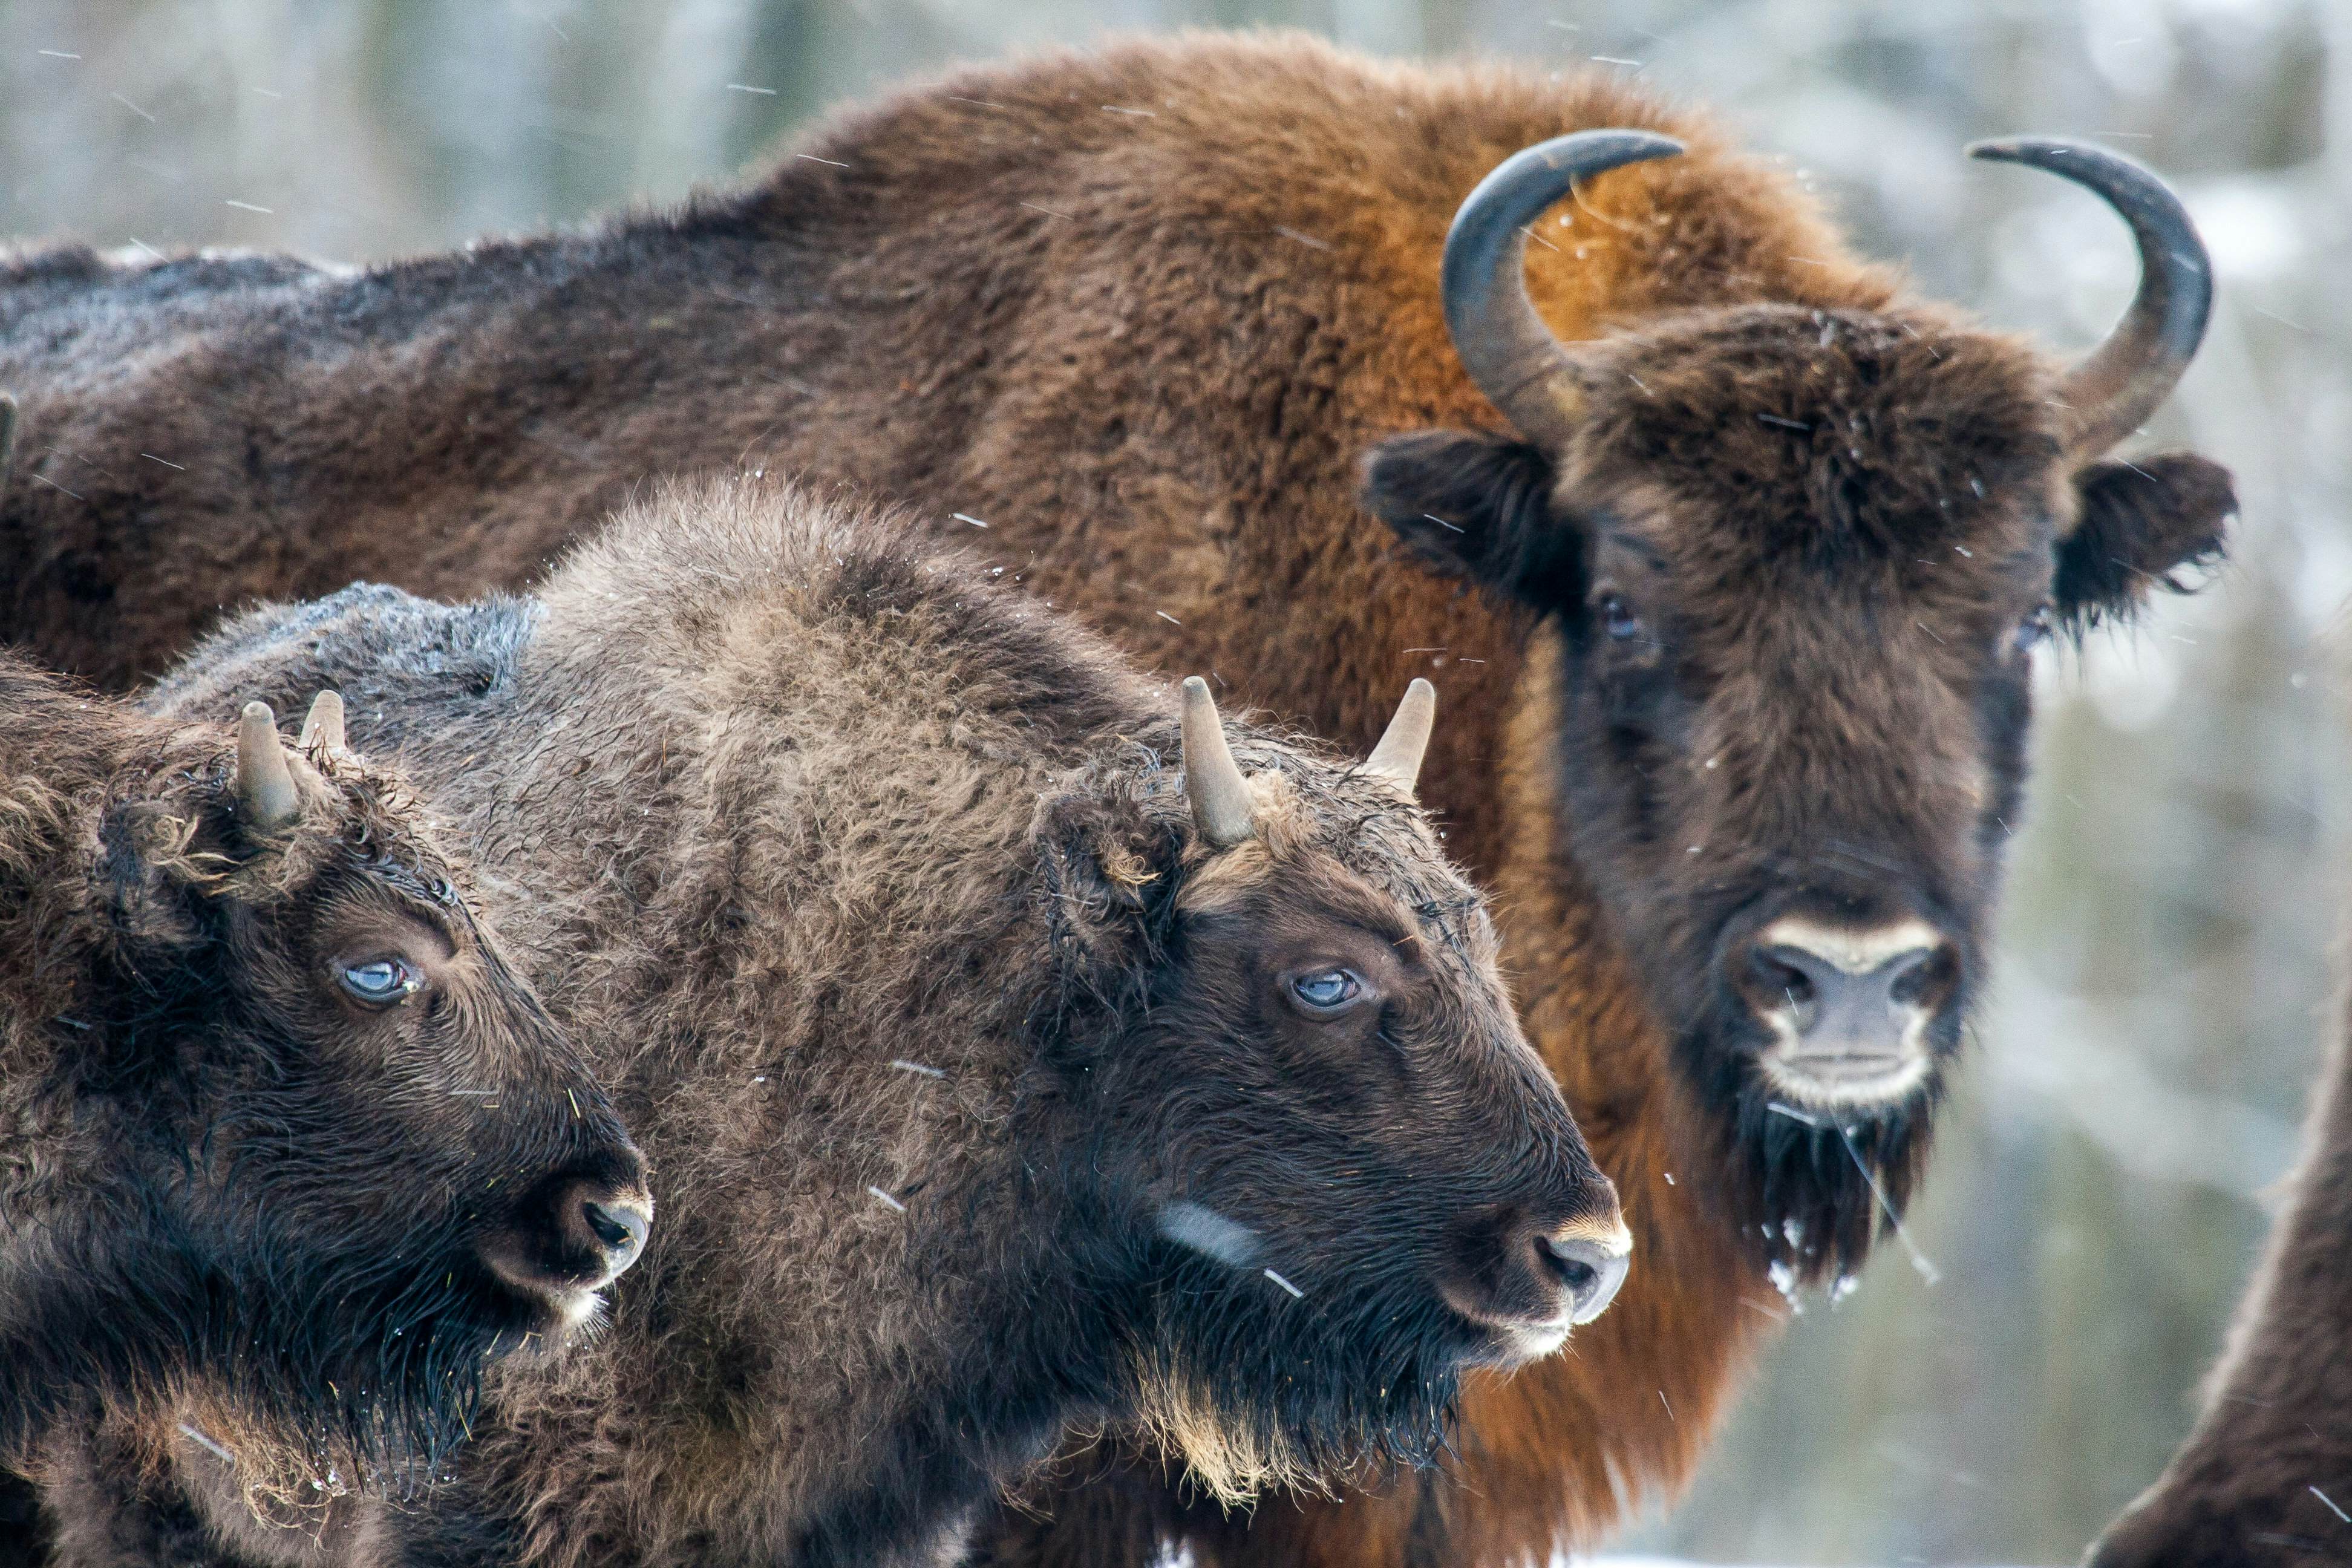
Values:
[(2117, 384), (1503, 344)]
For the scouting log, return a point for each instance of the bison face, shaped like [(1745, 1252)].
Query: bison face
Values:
[(1796, 565), (1797, 560), (1353, 1176), (376, 1156)]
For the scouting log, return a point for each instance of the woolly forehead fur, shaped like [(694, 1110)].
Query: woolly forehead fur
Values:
[(73, 762), (1899, 432)]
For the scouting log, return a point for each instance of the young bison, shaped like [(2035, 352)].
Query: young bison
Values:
[(2264, 1479), (286, 1150), (1001, 1075), (1764, 546)]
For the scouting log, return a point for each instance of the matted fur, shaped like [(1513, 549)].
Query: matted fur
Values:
[(1151, 354), (877, 882), (223, 1191)]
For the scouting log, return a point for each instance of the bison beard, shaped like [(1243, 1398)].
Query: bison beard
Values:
[(380, 1391), (1382, 1396), (1827, 1188)]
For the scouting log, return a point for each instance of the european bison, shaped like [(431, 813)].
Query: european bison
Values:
[(1000, 1074), (1760, 565), (283, 1142), (2264, 1479)]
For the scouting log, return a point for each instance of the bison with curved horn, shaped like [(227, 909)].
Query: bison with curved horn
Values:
[(1015, 1053), (1762, 543), (285, 1147)]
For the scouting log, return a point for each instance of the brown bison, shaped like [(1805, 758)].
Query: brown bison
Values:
[(1001, 1074), (2264, 1479), (282, 1138), (1760, 561)]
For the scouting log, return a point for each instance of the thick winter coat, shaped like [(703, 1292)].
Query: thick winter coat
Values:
[(284, 1146), (1762, 558), (1000, 1074)]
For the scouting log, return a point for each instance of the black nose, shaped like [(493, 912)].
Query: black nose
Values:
[(572, 1233), (1591, 1272), (597, 1221), (1532, 1275)]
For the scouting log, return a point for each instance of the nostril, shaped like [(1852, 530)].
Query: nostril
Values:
[(607, 1227), (1592, 1273), (1781, 976), (618, 1225), (1925, 978), (1579, 1276)]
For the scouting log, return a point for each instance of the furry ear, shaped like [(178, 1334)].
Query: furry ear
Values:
[(1479, 506), (149, 871), (2142, 522), (1103, 869)]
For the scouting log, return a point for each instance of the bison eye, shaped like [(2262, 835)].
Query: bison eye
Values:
[(1326, 990), (382, 982), (2034, 629), (1617, 617)]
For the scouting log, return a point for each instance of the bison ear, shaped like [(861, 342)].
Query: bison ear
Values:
[(1479, 506), (2142, 524), (1101, 864), (150, 867)]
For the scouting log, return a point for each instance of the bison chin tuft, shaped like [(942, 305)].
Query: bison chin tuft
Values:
[(1824, 1185), (380, 1390), (1256, 1389)]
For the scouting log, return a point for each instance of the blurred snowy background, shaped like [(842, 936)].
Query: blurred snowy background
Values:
[(2103, 1184)]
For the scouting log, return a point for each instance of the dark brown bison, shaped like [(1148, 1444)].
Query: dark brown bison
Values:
[(1000, 1074), (1761, 558), (2264, 1479), (284, 1144)]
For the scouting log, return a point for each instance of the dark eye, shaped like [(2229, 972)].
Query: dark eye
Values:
[(2034, 629), (1617, 617), (382, 982), (1326, 990)]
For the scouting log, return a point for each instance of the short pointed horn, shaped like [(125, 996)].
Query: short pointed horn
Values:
[(1222, 808), (265, 785), (1503, 344), (323, 725), (2118, 384), (1398, 756)]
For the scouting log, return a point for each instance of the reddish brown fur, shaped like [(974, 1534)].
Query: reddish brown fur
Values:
[(1149, 354), (2266, 1471)]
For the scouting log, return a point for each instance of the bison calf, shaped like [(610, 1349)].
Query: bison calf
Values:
[(1002, 1074), (287, 1152)]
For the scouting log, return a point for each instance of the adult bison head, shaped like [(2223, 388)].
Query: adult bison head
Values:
[(1799, 561)]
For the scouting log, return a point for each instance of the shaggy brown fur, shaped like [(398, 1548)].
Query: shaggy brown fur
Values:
[(2266, 1472), (965, 1061), (1150, 354), (228, 1182)]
